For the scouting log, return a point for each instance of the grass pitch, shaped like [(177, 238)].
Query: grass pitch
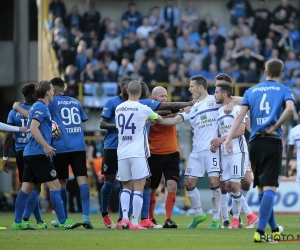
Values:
[(159, 239)]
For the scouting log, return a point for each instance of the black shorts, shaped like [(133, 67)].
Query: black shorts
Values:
[(20, 164), (266, 158), (110, 162), (77, 161), (38, 169), (167, 164)]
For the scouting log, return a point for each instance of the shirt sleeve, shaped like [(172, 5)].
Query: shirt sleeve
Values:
[(83, 115), (289, 95), (40, 114), (292, 137), (108, 110), (245, 100), (185, 116), (10, 118)]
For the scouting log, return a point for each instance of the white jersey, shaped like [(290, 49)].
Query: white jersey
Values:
[(294, 139), (203, 120), (131, 119), (224, 123)]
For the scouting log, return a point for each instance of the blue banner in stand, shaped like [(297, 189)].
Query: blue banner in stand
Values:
[(95, 95)]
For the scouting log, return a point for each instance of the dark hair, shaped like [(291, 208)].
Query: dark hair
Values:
[(28, 90), (41, 88), (125, 80), (224, 77), (274, 68), (225, 87), (57, 82), (145, 90), (200, 80)]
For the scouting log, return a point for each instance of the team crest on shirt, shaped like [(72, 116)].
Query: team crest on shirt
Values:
[(105, 167), (53, 173), (210, 104)]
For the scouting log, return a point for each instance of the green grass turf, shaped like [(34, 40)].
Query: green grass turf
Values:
[(103, 238)]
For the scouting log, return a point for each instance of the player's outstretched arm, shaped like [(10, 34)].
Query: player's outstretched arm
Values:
[(171, 121), (22, 111), (10, 128), (105, 124), (289, 155)]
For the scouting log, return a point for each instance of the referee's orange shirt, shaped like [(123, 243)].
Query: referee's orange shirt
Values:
[(163, 139)]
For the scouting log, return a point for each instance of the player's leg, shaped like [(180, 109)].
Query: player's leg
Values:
[(109, 170), (78, 163), (171, 173), (224, 182), (192, 173), (212, 166)]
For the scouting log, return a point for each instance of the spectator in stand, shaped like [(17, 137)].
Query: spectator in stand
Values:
[(59, 25), (194, 35), (114, 41), (151, 49), (72, 77), (291, 12), (187, 55), (125, 28), (133, 16), (295, 35), (169, 49), (296, 91), (184, 40), (196, 70), (274, 55), (74, 19), (142, 49), (106, 76), (90, 57), (133, 41), (292, 78), (111, 64), (256, 47), (75, 36), (211, 58), (246, 56), (104, 27), (125, 68), (81, 58), (50, 21), (151, 76), (247, 39), (57, 36), (210, 76), (155, 20), (171, 17), (239, 8), (57, 7), (162, 37), (235, 31), (222, 31), (291, 63), (217, 40), (135, 75), (189, 15), (262, 20), (159, 60), (268, 46), (125, 51), (144, 30), (89, 75), (247, 74), (105, 50), (91, 18), (205, 25), (65, 55)]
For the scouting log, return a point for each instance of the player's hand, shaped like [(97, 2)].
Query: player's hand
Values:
[(286, 172), (228, 146), (228, 108), (22, 129), (187, 110), (215, 143), (49, 151), (5, 165), (271, 129), (163, 112), (16, 105)]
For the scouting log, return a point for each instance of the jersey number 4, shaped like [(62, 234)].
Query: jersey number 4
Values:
[(123, 124), (264, 105)]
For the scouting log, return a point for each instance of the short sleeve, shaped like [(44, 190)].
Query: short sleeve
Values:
[(150, 103), (288, 95), (185, 116), (39, 113), (82, 115), (245, 100), (108, 110), (10, 118)]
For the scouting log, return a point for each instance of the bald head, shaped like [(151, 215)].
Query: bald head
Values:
[(159, 94), (134, 88)]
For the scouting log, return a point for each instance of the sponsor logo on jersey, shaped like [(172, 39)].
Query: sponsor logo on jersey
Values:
[(105, 167), (222, 122), (203, 117)]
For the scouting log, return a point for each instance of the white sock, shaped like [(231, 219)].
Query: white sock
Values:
[(216, 197), (125, 201), (224, 206), (246, 209), (236, 204), (194, 197), (244, 192), (137, 204)]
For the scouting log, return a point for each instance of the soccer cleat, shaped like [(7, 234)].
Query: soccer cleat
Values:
[(3, 228), (119, 225), (69, 225), (136, 227), (154, 221), (225, 224), (235, 223), (260, 237), (276, 236), (146, 223), (24, 225), (108, 222), (215, 224), (251, 220), (169, 224), (41, 225), (54, 223), (123, 224), (197, 220), (87, 225), (241, 224)]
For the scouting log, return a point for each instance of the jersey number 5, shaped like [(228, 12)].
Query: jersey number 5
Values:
[(123, 124), (264, 105)]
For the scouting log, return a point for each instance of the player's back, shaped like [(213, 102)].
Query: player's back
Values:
[(17, 119), (131, 117), (266, 102), (69, 115), (111, 136)]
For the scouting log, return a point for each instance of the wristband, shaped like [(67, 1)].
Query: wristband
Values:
[(5, 158)]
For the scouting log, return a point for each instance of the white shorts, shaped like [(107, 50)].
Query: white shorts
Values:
[(133, 169), (234, 167), (201, 162)]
